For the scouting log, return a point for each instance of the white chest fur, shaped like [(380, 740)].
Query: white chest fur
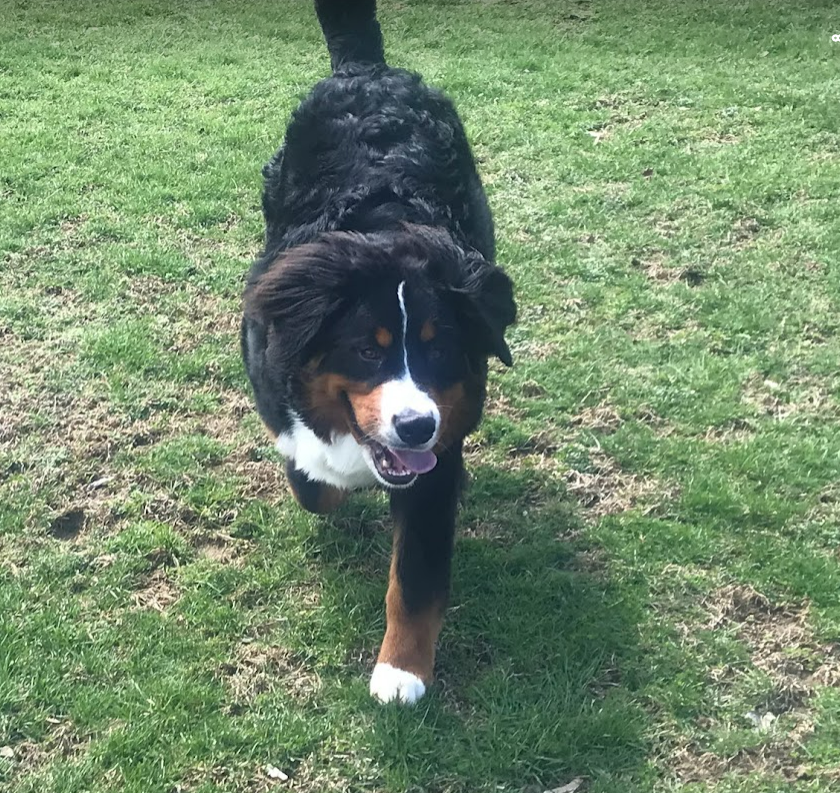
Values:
[(340, 463)]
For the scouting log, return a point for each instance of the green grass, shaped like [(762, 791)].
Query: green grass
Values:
[(648, 552)]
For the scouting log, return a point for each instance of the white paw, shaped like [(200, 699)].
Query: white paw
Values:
[(388, 683)]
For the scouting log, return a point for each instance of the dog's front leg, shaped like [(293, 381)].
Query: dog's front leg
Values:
[(419, 581)]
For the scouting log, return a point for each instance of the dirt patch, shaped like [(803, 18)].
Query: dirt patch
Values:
[(540, 444), (536, 350), (66, 237), (195, 317), (765, 396), (498, 404), (607, 189), (827, 506), (603, 419), (68, 525), (27, 757), (233, 778), (782, 645), (258, 669), (796, 395), (715, 138), (691, 765), (158, 592), (734, 432), (321, 774), (221, 548), (259, 472), (655, 267), (605, 489), (618, 121), (198, 248), (69, 443), (591, 561), (743, 232)]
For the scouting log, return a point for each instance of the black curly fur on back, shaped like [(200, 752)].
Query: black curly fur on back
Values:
[(369, 148)]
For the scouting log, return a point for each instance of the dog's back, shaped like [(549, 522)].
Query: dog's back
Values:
[(372, 147)]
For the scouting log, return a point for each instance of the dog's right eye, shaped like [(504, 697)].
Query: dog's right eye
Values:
[(370, 354)]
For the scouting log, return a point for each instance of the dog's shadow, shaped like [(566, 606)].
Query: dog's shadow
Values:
[(538, 655)]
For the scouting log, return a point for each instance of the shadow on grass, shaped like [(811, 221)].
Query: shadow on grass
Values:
[(537, 660)]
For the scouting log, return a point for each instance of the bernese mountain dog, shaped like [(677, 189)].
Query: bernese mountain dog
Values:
[(371, 314)]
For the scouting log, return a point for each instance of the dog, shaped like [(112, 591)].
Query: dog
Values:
[(370, 316)]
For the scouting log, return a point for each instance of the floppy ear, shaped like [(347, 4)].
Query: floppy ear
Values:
[(487, 300), (300, 289)]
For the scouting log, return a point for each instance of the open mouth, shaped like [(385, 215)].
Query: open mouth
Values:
[(400, 467)]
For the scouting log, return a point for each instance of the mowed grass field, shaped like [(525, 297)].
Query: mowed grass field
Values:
[(646, 586)]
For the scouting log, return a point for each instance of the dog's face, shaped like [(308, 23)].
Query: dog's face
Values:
[(385, 337)]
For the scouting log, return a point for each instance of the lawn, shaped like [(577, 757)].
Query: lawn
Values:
[(646, 590)]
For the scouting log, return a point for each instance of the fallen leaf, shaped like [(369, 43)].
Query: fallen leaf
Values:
[(571, 787), (762, 723), (7, 753), (275, 773)]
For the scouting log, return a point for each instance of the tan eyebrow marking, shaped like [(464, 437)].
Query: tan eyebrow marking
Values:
[(427, 332), (384, 337)]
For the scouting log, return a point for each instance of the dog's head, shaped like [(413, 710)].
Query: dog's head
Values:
[(385, 336)]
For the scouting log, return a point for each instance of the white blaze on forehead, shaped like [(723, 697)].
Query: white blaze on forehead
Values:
[(404, 395), (404, 311)]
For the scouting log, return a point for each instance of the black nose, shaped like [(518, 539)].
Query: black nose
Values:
[(414, 429)]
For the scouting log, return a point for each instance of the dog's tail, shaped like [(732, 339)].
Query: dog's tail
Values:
[(351, 31)]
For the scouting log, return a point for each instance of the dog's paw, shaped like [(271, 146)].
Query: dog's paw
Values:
[(387, 683)]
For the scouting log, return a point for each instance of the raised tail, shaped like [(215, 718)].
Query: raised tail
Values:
[(351, 31)]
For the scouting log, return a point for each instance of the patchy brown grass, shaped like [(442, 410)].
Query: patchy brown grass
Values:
[(87, 492), (771, 759), (655, 267), (734, 432), (781, 644), (608, 490), (798, 395), (713, 137), (744, 231), (62, 741), (540, 446), (497, 404), (257, 669), (197, 248), (536, 350), (196, 316), (827, 506), (68, 238), (158, 593), (604, 419), (222, 549)]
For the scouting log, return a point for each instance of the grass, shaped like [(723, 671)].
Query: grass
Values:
[(647, 563)]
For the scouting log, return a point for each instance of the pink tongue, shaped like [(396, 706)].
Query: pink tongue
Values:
[(418, 462)]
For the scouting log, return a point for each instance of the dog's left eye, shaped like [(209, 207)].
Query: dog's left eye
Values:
[(437, 352), (370, 354)]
